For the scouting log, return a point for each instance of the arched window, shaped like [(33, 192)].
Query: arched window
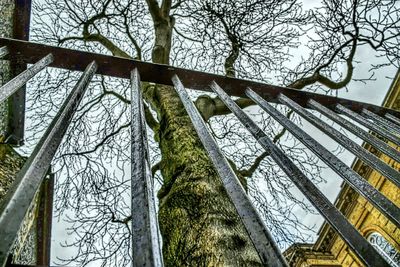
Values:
[(386, 249)]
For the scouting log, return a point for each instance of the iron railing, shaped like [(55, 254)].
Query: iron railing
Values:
[(146, 242)]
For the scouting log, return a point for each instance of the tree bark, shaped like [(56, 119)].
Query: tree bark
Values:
[(198, 222), (163, 38)]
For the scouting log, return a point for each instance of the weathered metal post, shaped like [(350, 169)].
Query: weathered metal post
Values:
[(15, 23), (44, 220), (16, 104), (6, 30)]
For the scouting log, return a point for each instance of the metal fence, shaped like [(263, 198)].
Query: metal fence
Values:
[(146, 242)]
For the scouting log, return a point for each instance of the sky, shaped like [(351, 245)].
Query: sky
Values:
[(373, 92)]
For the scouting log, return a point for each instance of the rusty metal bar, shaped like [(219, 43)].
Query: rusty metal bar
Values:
[(16, 103), (346, 142), (19, 197), (393, 118), (44, 220), (361, 247), (382, 122), (145, 238), (367, 137), (373, 127), (3, 51), (262, 239), (358, 183), (162, 74), (22, 17), (14, 84)]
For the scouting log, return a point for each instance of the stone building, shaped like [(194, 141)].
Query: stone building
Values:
[(329, 249)]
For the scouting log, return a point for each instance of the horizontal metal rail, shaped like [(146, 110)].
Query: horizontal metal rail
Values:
[(361, 247), (369, 158), (372, 126), (29, 52), (263, 241), (145, 235), (382, 122), (358, 183), (14, 84), (393, 118), (3, 51), (367, 137), (21, 194)]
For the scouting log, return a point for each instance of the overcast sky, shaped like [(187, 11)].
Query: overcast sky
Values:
[(373, 92)]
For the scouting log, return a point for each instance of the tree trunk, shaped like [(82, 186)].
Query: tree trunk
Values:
[(163, 39), (198, 222)]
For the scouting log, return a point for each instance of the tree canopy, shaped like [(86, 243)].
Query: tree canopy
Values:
[(256, 39)]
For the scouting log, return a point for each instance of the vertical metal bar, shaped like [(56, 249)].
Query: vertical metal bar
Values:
[(3, 51), (262, 239), (385, 124), (393, 118), (22, 18), (358, 183), (13, 85), (346, 142), (367, 137), (44, 221), (16, 103), (373, 127), (20, 196), (145, 235), (362, 248)]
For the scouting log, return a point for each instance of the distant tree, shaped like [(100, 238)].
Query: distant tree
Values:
[(252, 39)]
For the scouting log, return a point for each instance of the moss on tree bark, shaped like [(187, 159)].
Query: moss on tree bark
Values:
[(198, 222)]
